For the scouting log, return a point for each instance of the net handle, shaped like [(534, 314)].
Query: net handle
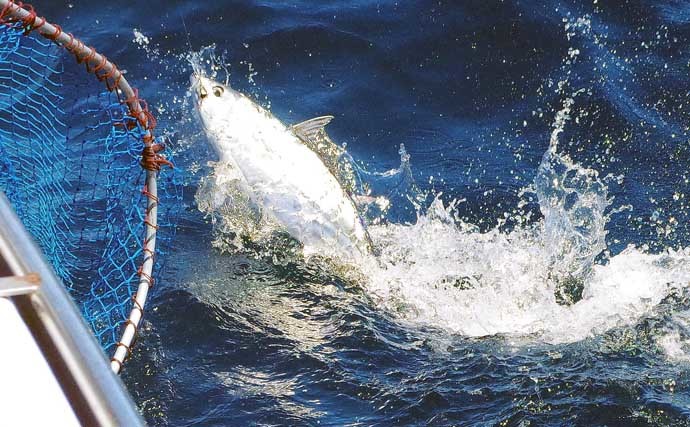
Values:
[(151, 160)]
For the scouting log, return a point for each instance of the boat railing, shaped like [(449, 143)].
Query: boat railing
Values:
[(96, 394)]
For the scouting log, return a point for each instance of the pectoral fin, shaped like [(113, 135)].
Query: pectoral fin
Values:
[(310, 129)]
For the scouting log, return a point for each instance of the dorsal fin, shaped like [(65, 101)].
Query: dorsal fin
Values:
[(310, 129)]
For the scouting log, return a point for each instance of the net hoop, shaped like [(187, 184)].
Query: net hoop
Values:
[(13, 12)]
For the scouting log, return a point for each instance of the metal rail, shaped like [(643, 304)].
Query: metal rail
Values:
[(96, 394), (101, 66)]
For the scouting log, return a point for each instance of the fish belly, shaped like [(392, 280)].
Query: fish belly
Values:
[(294, 187)]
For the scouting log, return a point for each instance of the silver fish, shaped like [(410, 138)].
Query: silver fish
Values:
[(280, 171)]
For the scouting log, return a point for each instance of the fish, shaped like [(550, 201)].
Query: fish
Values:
[(312, 132), (281, 172)]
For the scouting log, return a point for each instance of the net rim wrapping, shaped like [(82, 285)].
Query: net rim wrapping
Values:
[(12, 12)]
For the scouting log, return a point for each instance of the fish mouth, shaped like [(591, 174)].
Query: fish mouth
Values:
[(200, 92), (198, 86)]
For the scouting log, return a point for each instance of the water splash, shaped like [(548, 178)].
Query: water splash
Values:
[(539, 280), (572, 200), (393, 192), (206, 62), (444, 273), (223, 196), (547, 279)]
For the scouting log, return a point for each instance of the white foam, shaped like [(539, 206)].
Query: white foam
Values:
[(674, 346), (674, 339), (502, 285)]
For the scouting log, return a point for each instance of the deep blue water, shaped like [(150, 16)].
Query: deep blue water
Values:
[(470, 88)]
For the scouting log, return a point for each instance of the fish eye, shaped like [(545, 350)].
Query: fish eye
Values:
[(218, 90)]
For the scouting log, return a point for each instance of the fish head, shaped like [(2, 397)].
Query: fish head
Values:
[(212, 97), (223, 110)]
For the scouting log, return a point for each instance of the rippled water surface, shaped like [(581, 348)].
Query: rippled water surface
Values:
[(533, 268)]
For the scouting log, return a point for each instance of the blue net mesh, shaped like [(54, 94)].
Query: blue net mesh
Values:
[(69, 164)]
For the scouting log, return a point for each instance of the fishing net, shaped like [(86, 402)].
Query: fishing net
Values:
[(81, 167)]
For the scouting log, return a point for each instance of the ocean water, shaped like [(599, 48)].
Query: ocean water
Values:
[(546, 147)]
